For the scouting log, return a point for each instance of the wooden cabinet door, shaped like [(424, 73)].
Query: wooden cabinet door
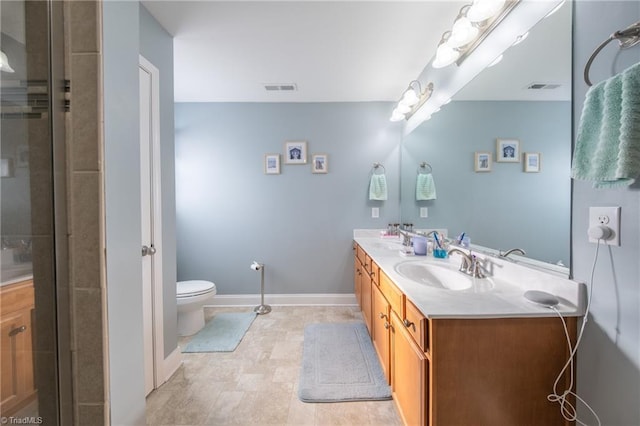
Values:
[(365, 288), (409, 369), (357, 280), (16, 360), (380, 334)]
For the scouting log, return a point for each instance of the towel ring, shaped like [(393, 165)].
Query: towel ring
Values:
[(376, 166), (628, 37), (423, 166)]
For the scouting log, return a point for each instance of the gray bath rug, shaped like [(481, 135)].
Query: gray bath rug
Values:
[(223, 333), (340, 364)]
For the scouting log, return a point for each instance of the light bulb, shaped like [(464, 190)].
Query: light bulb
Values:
[(482, 10), (396, 115), (4, 63), (445, 55), (403, 108), (462, 33), (410, 98)]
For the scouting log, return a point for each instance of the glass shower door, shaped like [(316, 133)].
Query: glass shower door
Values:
[(28, 269)]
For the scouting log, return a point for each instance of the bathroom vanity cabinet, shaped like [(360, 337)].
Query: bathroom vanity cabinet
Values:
[(465, 371), (17, 386), (366, 275)]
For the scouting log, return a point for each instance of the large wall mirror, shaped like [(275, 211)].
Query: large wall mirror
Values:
[(501, 205)]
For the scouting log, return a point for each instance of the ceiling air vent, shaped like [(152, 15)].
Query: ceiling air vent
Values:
[(543, 86), (273, 87)]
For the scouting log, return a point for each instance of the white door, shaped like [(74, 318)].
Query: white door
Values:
[(150, 220)]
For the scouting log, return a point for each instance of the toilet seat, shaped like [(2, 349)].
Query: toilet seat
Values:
[(194, 288)]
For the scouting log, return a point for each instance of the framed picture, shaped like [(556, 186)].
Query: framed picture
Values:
[(482, 162), (272, 164), (295, 152), (532, 162), (319, 163), (508, 150)]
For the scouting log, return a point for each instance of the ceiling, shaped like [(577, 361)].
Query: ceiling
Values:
[(332, 51)]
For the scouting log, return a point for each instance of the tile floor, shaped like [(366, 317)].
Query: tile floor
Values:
[(257, 383)]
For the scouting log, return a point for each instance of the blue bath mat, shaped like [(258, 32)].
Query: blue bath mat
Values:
[(223, 333), (340, 364)]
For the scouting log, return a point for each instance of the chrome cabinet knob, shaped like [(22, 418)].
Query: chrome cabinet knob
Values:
[(148, 251)]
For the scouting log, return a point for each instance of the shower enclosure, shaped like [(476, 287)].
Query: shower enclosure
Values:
[(34, 294)]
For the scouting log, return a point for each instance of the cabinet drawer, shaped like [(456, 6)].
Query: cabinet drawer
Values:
[(416, 324), (392, 293), (15, 297)]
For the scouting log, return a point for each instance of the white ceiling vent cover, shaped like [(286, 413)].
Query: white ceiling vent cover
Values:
[(543, 86), (280, 87)]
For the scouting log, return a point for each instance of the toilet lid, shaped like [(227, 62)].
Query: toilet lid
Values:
[(194, 288)]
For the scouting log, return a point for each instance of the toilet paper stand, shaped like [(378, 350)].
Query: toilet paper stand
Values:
[(262, 308)]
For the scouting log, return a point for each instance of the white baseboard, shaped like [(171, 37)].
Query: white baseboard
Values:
[(171, 364), (284, 300)]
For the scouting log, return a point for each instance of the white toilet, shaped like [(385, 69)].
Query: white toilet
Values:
[(192, 296)]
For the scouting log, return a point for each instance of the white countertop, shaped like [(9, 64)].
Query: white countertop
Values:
[(505, 299), (11, 274)]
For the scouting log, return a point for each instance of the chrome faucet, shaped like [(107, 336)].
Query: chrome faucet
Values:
[(470, 264), (513, 250)]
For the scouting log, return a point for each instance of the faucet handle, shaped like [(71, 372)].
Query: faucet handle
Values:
[(476, 268)]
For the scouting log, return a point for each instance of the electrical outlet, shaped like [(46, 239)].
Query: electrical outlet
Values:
[(609, 217), (424, 212), (375, 212)]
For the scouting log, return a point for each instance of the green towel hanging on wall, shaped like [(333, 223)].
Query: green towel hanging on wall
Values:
[(607, 150)]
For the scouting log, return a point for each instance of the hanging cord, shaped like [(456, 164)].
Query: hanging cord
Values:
[(568, 410)]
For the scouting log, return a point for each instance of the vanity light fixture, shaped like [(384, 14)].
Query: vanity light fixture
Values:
[(473, 23), (412, 99), (4, 63)]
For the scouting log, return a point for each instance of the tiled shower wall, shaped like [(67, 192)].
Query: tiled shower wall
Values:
[(85, 173)]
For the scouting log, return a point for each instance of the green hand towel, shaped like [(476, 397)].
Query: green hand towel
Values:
[(378, 187), (425, 187), (607, 149)]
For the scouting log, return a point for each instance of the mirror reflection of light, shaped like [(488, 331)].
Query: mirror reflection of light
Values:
[(496, 61), (555, 9), (192, 188), (521, 38)]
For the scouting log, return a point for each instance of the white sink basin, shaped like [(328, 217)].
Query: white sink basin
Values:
[(443, 276), (386, 245)]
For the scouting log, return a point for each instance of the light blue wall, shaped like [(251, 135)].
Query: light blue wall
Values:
[(299, 224), (609, 357), (493, 207), (156, 45), (122, 209)]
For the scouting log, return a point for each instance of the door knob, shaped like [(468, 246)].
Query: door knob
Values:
[(148, 251)]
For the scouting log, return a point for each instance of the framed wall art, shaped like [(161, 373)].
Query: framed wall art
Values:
[(508, 150), (532, 162), (482, 162), (272, 164), (295, 152), (319, 163)]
